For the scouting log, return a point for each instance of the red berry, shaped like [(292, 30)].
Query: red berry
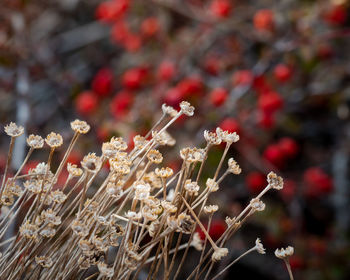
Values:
[(336, 15), (266, 120), (212, 65), (255, 182), (190, 86), (270, 102), (289, 189), (218, 96), (264, 20), (296, 262), (282, 72), (317, 182), (173, 97), (217, 228), (221, 8), (274, 155), (230, 125), (132, 78), (120, 32), (102, 82), (111, 10), (288, 146), (86, 102), (242, 78), (132, 42), (150, 26), (121, 104), (166, 70), (260, 85)]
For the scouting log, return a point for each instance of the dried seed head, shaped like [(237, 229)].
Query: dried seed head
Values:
[(80, 228), (80, 126), (153, 228), (91, 206), (163, 138), (192, 155), (233, 167), (35, 141), (164, 172), (191, 188), (219, 253), (275, 182), (54, 140), (212, 185), (257, 204), (148, 214), (197, 242), (132, 215), (85, 245), (259, 247), (13, 130), (73, 170), (140, 142), (155, 156), (14, 189), (185, 223), (153, 180), (58, 196), (50, 217), (100, 243), (172, 222), (186, 108), (142, 190), (211, 209), (168, 207), (44, 261), (114, 190), (119, 143), (48, 231), (132, 260), (29, 230), (226, 136), (169, 110), (284, 253), (7, 199), (212, 138), (102, 220), (33, 186), (105, 270), (91, 162), (113, 239), (109, 150)]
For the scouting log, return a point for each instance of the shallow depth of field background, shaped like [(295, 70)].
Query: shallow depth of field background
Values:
[(277, 72)]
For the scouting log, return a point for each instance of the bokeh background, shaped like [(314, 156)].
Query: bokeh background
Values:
[(277, 72)]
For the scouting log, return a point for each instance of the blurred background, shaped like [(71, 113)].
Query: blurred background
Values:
[(277, 72)]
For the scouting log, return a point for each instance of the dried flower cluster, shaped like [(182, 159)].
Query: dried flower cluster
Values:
[(140, 218)]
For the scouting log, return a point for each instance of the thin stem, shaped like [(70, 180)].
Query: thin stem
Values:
[(286, 261)]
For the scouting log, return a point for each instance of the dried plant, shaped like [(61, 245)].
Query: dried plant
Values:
[(140, 218)]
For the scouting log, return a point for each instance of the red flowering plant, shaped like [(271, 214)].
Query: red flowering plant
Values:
[(274, 72)]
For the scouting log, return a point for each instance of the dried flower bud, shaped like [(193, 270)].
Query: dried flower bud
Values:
[(155, 156), (100, 243), (54, 140), (172, 222), (85, 245), (7, 199), (164, 172), (148, 214), (140, 142), (114, 190), (257, 204), (219, 253), (14, 189), (133, 215), (13, 130), (109, 150), (275, 182), (233, 167), (80, 126), (91, 206), (35, 141), (58, 196), (212, 138), (163, 138), (169, 110), (212, 185), (226, 136), (259, 247), (186, 108), (192, 155), (211, 209), (44, 261), (153, 228), (284, 253), (191, 188)]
